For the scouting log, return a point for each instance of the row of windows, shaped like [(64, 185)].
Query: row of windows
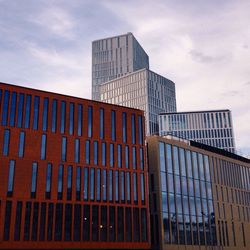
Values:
[(35, 221), (18, 109), (87, 183), (231, 174)]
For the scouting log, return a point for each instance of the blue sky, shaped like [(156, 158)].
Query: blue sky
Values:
[(203, 46)]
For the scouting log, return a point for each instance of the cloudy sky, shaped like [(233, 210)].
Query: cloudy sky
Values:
[(203, 46)]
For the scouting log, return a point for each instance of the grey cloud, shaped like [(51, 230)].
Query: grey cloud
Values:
[(203, 58)]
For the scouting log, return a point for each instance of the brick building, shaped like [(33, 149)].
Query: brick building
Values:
[(72, 173)]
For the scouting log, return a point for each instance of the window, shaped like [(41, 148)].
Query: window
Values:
[(103, 154), (35, 221), (135, 188), (92, 184), (18, 221), (11, 177), (116, 186), (112, 229), (134, 157), (68, 222), (128, 192), (36, 112), (95, 153), (78, 183), (128, 224), (140, 129), (26, 234), (98, 184), (13, 109), (95, 219), (58, 222), (69, 182), (48, 180), (77, 222), (79, 119), (60, 182), (27, 111), (87, 152), (6, 141), (104, 185), (63, 114), (111, 155), (119, 156), (141, 159), (45, 113), (86, 222), (103, 226), (33, 179), (126, 156), (142, 189), (122, 186), (113, 125), (54, 115), (71, 118), (21, 144), (77, 150), (20, 110), (6, 233), (5, 110), (42, 222), (90, 121), (124, 127), (133, 129), (101, 123), (85, 184), (43, 147), (120, 220), (64, 148), (110, 185)]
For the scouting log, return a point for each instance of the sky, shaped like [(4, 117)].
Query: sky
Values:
[(203, 46)]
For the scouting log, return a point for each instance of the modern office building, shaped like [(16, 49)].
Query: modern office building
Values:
[(214, 127), (144, 90), (73, 173), (114, 57), (199, 196)]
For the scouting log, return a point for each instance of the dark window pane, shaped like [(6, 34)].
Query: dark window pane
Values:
[(86, 222), (5, 110), (33, 179), (122, 186), (126, 157), (79, 119), (95, 226), (64, 148), (104, 185), (6, 141), (134, 157), (45, 113), (90, 120), (116, 186), (92, 184), (36, 112), (35, 221), (63, 114), (128, 191), (111, 155), (135, 187), (18, 221), (85, 184), (54, 115), (103, 154), (27, 111), (140, 129), (141, 159), (78, 183), (113, 125), (124, 127), (128, 224), (77, 222), (136, 224), (68, 222), (133, 128), (95, 152), (13, 109), (120, 220), (43, 147), (60, 182), (101, 123), (48, 180), (42, 221), (112, 230), (7, 220), (142, 189), (77, 150), (71, 118), (110, 185), (103, 226), (144, 224), (21, 144), (119, 156), (11, 177), (87, 152), (98, 184), (59, 222), (20, 110), (69, 182), (26, 234)]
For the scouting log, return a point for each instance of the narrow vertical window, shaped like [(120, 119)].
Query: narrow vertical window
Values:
[(64, 148), (50, 222), (140, 129), (71, 118), (13, 109), (134, 157), (90, 120), (36, 112), (92, 184), (26, 234), (101, 123), (27, 111), (116, 186), (43, 147), (60, 182), (119, 156), (35, 221), (48, 180), (45, 113), (98, 184), (85, 183), (18, 221), (86, 222), (77, 222), (20, 110), (21, 144), (63, 114), (5, 111), (142, 189), (69, 182), (122, 186), (77, 150), (79, 119), (141, 159), (120, 222), (128, 192), (133, 129), (103, 154), (33, 179), (95, 153), (126, 157), (7, 220), (135, 187), (78, 183), (124, 127), (68, 222), (111, 155), (110, 185), (42, 221), (113, 126), (11, 177), (87, 152), (6, 141), (104, 185), (95, 219), (54, 116)]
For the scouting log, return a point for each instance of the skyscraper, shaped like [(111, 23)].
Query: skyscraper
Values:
[(145, 90), (114, 57), (214, 127)]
